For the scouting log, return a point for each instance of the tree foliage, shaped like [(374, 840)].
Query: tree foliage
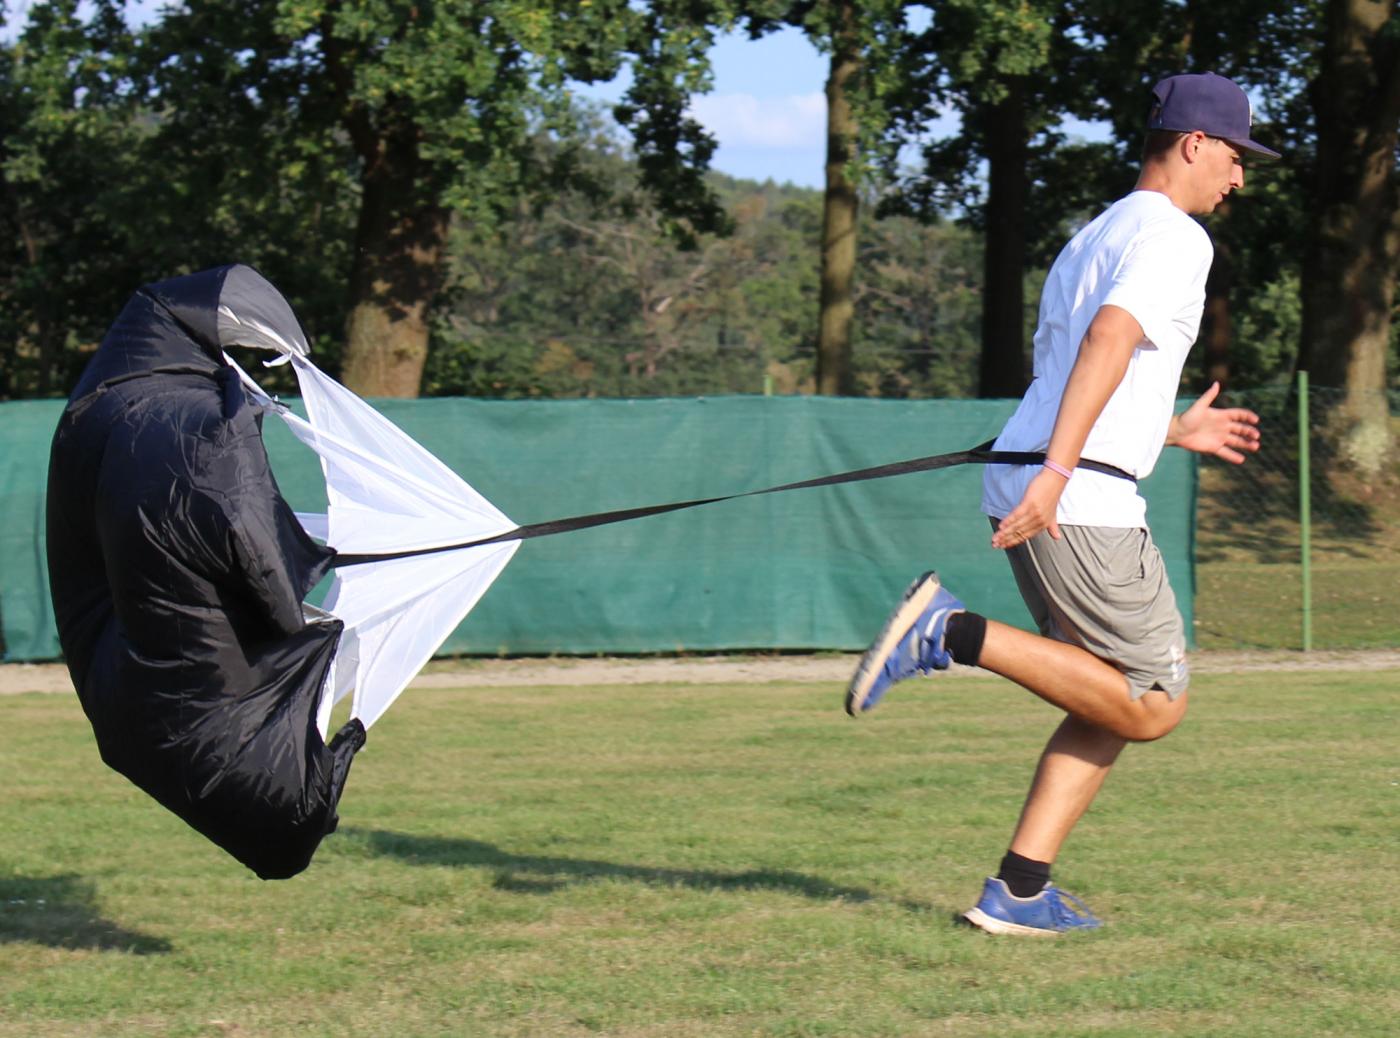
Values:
[(424, 176), (72, 194), (589, 298), (408, 115), (863, 39), (1354, 233)]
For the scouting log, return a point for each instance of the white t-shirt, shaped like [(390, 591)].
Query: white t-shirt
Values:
[(1150, 258)]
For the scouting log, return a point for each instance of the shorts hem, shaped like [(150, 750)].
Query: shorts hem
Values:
[(1139, 687)]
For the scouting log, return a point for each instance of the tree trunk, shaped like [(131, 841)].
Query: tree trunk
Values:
[(1003, 367), (1216, 327), (43, 336), (400, 238), (396, 274), (839, 211), (1349, 269)]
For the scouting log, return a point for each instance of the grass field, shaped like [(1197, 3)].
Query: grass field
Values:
[(1356, 605), (1249, 574), (698, 860)]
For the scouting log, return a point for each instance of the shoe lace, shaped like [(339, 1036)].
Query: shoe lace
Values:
[(908, 659), (927, 645), (1068, 909)]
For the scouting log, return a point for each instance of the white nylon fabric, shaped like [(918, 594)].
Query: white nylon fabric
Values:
[(386, 493), (248, 331)]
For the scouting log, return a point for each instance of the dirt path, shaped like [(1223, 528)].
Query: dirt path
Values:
[(824, 668)]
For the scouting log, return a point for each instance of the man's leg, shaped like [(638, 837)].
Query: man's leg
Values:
[(930, 629), (1073, 767), (1103, 717), (1078, 682), (1106, 588), (1020, 899), (1091, 584)]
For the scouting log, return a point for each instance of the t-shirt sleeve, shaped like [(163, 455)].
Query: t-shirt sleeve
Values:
[(1161, 281)]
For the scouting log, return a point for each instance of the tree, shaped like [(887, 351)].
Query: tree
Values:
[(841, 208), (68, 209), (918, 307), (589, 297), (432, 110), (592, 297), (1258, 44), (863, 40), (996, 66), (244, 160), (1013, 71), (1349, 269)]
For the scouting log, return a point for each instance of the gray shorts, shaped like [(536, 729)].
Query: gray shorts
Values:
[(1105, 589)]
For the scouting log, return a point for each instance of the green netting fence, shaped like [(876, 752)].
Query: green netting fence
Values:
[(1290, 562), (805, 570)]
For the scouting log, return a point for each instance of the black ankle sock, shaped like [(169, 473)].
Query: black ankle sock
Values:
[(963, 637), (1024, 877)]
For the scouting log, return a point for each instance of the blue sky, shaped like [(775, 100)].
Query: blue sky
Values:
[(767, 108)]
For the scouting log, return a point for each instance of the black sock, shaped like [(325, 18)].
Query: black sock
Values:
[(963, 637), (1024, 877)]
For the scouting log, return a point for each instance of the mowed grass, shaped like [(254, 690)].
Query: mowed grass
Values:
[(1355, 605), (726, 860)]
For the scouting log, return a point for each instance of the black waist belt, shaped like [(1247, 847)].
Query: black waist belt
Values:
[(1038, 458), (980, 455)]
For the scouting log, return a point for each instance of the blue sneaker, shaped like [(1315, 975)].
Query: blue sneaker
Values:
[(1048, 914), (911, 643)]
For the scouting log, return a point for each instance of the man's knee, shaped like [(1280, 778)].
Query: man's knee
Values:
[(1159, 715)]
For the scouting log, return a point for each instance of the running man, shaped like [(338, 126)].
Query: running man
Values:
[(1119, 312)]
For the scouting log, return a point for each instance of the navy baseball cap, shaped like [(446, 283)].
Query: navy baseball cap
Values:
[(1212, 104)]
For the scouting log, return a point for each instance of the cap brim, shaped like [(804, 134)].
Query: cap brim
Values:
[(1256, 147)]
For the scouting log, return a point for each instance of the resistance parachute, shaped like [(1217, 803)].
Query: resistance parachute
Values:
[(386, 494), (179, 573)]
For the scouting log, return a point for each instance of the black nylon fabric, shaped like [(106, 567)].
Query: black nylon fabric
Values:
[(178, 573)]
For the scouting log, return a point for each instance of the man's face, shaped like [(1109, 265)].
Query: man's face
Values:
[(1219, 169)]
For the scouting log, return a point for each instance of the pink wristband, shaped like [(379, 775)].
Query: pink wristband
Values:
[(1055, 466)]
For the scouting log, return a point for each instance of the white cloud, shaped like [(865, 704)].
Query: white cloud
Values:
[(770, 123)]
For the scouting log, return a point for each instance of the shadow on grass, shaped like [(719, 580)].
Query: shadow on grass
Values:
[(61, 912), (543, 874)]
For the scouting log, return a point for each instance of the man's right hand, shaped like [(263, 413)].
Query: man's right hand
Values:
[(1035, 512)]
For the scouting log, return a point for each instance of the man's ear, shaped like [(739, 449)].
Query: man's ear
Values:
[(1191, 145)]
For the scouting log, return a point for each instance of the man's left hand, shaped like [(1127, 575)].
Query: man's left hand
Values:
[(1221, 431)]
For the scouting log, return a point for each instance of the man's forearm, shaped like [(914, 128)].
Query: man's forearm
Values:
[(1098, 370)]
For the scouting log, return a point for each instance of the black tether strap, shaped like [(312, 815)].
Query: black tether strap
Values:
[(980, 455)]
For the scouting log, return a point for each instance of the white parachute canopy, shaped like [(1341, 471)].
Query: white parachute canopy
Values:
[(387, 494)]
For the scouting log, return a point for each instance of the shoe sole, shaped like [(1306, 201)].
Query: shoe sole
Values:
[(990, 924), (916, 600)]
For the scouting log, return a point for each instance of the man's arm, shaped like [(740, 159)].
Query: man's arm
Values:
[(1103, 358)]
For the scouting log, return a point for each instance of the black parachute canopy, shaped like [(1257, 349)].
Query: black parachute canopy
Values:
[(178, 572)]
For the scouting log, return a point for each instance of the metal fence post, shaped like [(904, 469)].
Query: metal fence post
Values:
[(1305, 506)]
